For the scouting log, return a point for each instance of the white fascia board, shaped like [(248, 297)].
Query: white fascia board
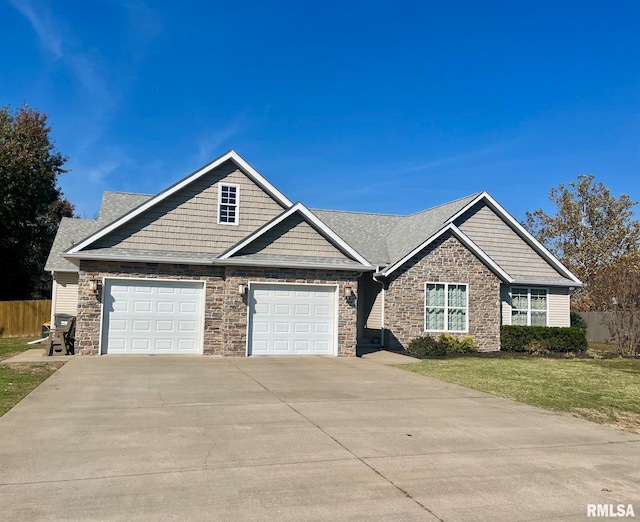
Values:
[(139, 258), (533, 242), (464, 240), (324, 229), (540, 282), (231, 155)]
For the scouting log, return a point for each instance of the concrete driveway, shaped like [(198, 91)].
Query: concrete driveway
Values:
[(204, 438)]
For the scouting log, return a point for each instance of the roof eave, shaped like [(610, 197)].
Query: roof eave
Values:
[(292, 264), (541, 282), (138, 258), (521, 231)]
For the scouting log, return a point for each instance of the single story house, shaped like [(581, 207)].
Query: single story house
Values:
[(224, 263)]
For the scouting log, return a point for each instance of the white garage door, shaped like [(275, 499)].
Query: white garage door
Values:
[(291, 319), (152, 317)]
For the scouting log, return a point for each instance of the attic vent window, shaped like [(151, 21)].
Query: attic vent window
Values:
[(228, 196)]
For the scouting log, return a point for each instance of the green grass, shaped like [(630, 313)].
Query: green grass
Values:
[(601, 390), (18, 381), (602, 349), (10, 346)]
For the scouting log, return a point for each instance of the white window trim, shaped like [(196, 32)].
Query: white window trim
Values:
[(446, 307), (237, 187), (528, 289)]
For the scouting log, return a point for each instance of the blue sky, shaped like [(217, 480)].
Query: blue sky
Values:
[(354, 105)]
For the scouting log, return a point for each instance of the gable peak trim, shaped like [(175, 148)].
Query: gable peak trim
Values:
[(520, 230), (465, 240), (311, 218), (230, 155)]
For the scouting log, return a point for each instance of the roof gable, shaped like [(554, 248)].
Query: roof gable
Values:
[(508, 243), (466, 241), (152, 210), (297, 232)]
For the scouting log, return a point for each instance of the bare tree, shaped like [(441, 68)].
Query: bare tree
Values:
[(616, 292), (590, 229)]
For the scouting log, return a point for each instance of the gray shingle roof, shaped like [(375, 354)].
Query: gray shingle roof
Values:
[(70, 231), (413, 230), (386, 238), (367, 233), (74, 230), (117, 204)]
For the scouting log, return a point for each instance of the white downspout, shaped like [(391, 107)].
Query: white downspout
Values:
[(383, 292), (53, 299)]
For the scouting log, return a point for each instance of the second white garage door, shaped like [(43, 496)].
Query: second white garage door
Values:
[(152, 317), (291, 319)]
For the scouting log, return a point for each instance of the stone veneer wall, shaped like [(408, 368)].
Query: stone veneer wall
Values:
[(445, 261), (225, 315)]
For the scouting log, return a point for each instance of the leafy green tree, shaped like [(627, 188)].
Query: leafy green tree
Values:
[(590, 229), (31, 203)]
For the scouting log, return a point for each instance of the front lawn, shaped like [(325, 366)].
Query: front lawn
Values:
[(606, 391), (18, 381)]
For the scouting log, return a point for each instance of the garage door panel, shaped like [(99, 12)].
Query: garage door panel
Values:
[(298, 319), (321, 328), (302, 328), (140, 344), (151, 316), (141, 326), (281, 346), (165, 326), (165, 307), (281, 328), (188, 308), (163, 345), (321, 310), (142, 306), (282, 309), (302, 346), (302, 310), (187, 326), (120, 305)]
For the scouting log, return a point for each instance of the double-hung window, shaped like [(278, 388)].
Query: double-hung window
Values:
[(529, 306), (228, 199), (446, 307)]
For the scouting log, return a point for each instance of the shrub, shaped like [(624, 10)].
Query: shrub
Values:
[(537, 348), (444, 345), (517, 338), (454, 345), (426, 347), (577, 321)]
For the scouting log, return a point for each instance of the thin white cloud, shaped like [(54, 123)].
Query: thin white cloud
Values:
[(43, 23), (209, 144), (460, 157), (99, 172)]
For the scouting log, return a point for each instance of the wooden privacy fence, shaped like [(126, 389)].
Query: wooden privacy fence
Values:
[(23, 318), (597, 330)]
